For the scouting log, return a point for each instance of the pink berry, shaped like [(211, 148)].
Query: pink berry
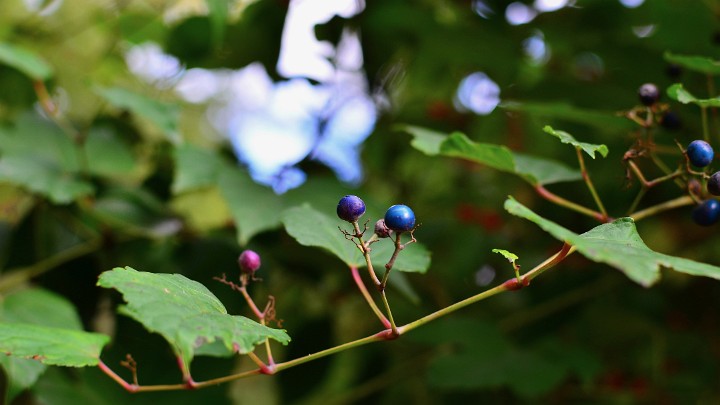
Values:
[(249, 261)]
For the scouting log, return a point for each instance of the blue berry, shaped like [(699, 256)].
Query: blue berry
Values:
[(700, 153), (400, 218), (350, 208), (713, 185), (707, 213), (249, 261), (648, 94)]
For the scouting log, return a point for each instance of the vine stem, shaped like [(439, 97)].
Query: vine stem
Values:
[(366, 253), (556, 199), (667, 205), (589, 183), (364, 291), (388, 334)]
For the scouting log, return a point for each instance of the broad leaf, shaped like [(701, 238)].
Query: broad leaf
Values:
[(253, 207), (52, 346), (619, 245), (107, 155), (44, 178), (603, 120), (678, 92), (185, 313), (534, 170), (313, 228), (697, 63), (25, 61), (38, 307), (589, 148), (195, 168), (162, 114)]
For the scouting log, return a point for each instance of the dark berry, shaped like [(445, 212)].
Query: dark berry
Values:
[(707, 213), (350, 208), (713, 185), (670, 120), (649, 94), (700, 153), (400, 218), (381, 230), (673, 71), (249, 261)]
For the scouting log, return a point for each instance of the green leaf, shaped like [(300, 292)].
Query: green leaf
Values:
[(195, 168), (162, 114), (511, 257), (185, 313), (218, 13), (535, 170), (107, 155), (589, 148), (38, 307), (313, 228), (253, 207), (25, 61), (697, 63), (51, 346), (44, 178), (604, 120), (678, 92), (618, 245)]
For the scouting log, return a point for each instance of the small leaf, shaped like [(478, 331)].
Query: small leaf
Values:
[(678, 92), (51, 346), (589, 148), (185, 313), (697, 63), (162, 114), (602, 120), (511, 257), (253, 207), (25, 61), (618, 245), (532, 169)]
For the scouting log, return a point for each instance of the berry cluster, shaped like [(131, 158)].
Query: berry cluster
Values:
[(399, 218), (700, 154)]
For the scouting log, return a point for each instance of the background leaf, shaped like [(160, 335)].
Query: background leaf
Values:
[(50, 345), (26, 61), (162, 114), (678, 92), (700, 64)]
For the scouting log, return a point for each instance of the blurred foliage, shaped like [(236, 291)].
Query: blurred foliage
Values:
[(100, 168)]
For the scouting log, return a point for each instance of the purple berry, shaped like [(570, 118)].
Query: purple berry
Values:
[(648, 94), (713, 185), (249, 262), (700, 153), (381, 230), (350, 208), (707, 213)]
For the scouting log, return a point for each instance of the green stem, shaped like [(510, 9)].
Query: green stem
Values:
[(667, 205), (368, 298), (554, 198), (589, 183), (17, 276), (366, 254), (393, 327)]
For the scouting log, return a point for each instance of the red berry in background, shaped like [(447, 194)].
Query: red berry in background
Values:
[(249, 262)]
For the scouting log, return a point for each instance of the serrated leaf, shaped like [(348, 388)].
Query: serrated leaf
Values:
[(253, 207), (700, 64), (185, 313), (195, 168), (162, 114), (677, 92), (25, 61), (43, 178), (619, 245), (589, 148), (38, 307), (313, 228), (511, 257), (51, 346), (535, 170)]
